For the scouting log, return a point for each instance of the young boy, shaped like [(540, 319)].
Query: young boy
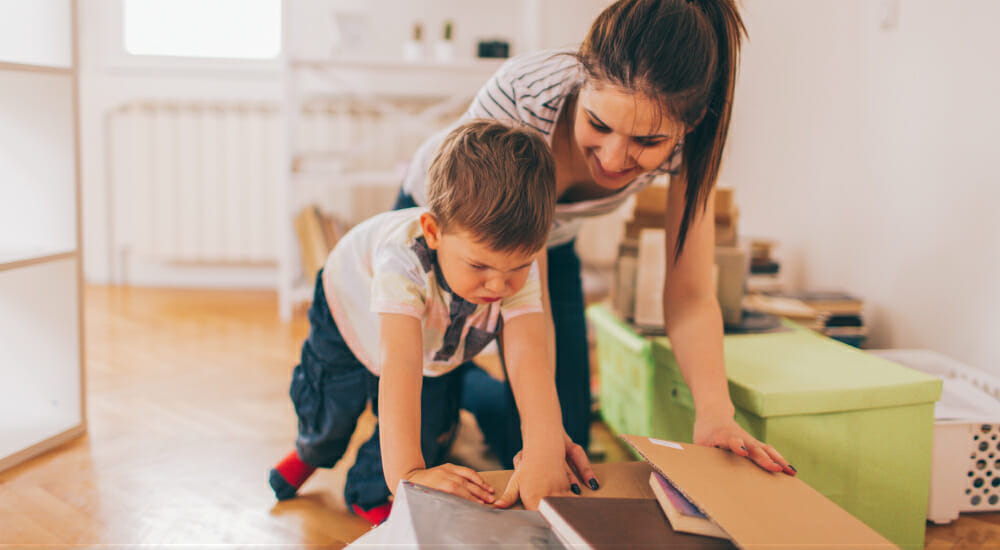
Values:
[(404, 299)]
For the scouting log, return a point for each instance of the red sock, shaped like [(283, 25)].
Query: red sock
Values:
[(294, 470), (374, 516)]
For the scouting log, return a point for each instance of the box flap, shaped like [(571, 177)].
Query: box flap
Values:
[(758, 509), (801, 372)]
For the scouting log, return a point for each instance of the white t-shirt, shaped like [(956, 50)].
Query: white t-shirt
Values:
[(532, 89), (383, 265)]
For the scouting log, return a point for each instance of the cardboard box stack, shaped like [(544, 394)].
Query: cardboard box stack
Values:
[(637, 296)]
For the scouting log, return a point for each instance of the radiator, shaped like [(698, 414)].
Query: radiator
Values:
[(195, 182), (199, 182)]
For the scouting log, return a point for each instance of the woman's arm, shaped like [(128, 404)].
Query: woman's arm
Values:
[(578, 464), (693, 321), (542, 470)]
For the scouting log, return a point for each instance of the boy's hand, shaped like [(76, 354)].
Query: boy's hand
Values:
[(457, 480), (534, 480), (578, 469), (724, 433)]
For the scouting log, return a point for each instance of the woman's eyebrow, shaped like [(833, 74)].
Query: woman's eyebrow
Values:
[(602, 123)]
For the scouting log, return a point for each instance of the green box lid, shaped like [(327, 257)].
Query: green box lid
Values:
[(800, 371)]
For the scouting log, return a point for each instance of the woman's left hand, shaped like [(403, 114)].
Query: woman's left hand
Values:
[(725, 433), (578, 466)]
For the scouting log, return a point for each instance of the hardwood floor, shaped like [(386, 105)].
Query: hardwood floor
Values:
[(188, 410)]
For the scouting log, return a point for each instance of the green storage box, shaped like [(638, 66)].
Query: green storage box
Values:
[(857, 427)]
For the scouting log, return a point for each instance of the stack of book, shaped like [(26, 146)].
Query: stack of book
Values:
[(837, 314), (764, 268)]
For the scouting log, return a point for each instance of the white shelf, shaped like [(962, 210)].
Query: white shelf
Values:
[(37, 32), (41, 338), (38, 200), (396, 64), (40, 359), (389, 78), (10, 66), (13, 258)]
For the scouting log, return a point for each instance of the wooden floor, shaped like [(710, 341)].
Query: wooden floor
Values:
[(188, 410)]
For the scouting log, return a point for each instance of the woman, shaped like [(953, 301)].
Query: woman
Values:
[(648, 93)]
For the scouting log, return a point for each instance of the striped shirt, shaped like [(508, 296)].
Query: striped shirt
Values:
[(532, 89), (383, 265)]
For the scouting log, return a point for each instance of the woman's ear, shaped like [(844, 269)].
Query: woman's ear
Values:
[(432, 230)]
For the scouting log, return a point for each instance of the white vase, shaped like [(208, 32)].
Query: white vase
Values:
[(413, 50), (444, 51)]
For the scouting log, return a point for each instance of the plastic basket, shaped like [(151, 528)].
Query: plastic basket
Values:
[(965, 466)]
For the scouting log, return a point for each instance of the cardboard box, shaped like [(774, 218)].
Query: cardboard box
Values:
[(857, 427), (755, 508), (652, 201)]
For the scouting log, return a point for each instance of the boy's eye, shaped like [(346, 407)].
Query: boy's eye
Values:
[(477, 267)]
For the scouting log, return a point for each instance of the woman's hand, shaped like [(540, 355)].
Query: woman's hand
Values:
[(532, 481), (457, 480), (723, 432), (578, 467)]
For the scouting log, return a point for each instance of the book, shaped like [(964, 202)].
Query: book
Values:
[(601, 523), (831, 302), (681, 512)]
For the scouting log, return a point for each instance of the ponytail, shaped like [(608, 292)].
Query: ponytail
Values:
[(702, 156)]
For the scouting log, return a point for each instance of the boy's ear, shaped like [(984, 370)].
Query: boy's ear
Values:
[(432, 230)]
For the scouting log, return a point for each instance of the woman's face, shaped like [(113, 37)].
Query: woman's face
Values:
[(622, 133)]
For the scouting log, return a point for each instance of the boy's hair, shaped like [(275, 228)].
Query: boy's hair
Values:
[(495, 181)]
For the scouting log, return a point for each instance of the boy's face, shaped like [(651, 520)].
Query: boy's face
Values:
[(474, 271)]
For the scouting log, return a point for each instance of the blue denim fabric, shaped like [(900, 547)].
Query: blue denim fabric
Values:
[(331, 388), (492, 402)]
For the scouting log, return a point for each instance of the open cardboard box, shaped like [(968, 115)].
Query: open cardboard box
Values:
[(756, 508)]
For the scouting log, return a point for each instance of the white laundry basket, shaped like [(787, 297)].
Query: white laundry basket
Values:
[(965, 467)]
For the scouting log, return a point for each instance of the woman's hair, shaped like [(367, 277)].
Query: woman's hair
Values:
[(495, 181), (683, 54)]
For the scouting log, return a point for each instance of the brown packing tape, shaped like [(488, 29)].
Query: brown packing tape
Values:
[(758, 509)]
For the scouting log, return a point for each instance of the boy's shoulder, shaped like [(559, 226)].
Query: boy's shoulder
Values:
[(392, 240)]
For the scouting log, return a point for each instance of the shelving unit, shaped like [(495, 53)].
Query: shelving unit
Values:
[(41, 322)]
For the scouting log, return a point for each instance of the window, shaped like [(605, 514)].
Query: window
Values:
[(240, 29)]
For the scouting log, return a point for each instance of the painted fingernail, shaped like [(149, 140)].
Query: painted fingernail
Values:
[(575, 488), (593, 484), (792, 468), (744, 449)]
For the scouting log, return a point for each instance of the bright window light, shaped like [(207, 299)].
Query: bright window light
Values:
[(243, 29)]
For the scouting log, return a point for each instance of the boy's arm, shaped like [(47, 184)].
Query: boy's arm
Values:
[(400, 345), (399, 395), (532, 378)]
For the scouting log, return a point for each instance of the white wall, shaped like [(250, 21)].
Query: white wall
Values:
[(868, 154)]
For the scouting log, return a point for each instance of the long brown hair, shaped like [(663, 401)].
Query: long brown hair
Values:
[(683, 53)]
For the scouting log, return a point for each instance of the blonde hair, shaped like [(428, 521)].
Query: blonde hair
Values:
[(495, 181)]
